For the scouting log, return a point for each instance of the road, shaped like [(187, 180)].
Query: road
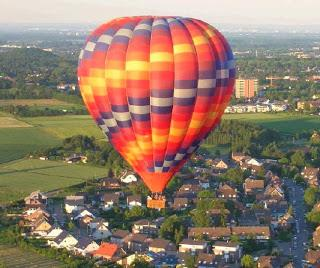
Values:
[(301, 233)]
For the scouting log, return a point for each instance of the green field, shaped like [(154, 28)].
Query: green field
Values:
[(283, 122), (66, 126), (43, 132), (13, 257), (19, 178)]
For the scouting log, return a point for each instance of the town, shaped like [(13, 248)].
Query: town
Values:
[(207, 223)]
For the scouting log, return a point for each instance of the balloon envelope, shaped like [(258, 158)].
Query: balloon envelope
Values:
[(156, 86)]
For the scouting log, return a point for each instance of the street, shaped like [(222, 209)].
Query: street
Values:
[(301, 233)]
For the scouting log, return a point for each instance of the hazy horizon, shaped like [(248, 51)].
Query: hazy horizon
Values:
[(245, 12)]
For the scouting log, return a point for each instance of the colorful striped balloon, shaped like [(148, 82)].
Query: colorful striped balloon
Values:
[(156, 86)]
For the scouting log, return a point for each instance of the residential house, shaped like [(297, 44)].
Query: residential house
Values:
[(134, 200), (119, 237), (83, 213), (108, 251), (166, 261), (129, 179), (159, 245), (85, 246), (36, 214), (285, 223), (96, 221), (206, 260), (41, 227), (273, 192), (226, 191), (277, 208), (85, 221), (137, 242), (253, 186), (239, 157), (210, 233), (110, 184), (268, 262), (189, 191), (36, 199), (128, 261), (248, 218), (180, 203), (63, 240), (252, 164), (260, 233), (53, 233), (220, 164), (313, 257), (74, 203), (231, 251), (316, 237), (100, 232), (204, 182), (146, 227), (110, 200), (311, 175), (192, 246)]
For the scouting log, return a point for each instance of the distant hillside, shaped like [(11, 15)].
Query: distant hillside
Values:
[(34, 65)]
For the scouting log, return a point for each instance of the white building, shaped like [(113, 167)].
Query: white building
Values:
[(74, 203), (85, 246), (188, 245), (64, 240), (129, 179), (229, 250), (100, 232)]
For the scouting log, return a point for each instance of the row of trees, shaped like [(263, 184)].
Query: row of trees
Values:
[(31, 111)]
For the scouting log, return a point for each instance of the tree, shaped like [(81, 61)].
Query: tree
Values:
[(234, 174), (190, 261), (313, 217), (140, 262), (247, 262), (311, 196), (200, 218), (298, 159), (171, 228), (135, 213)]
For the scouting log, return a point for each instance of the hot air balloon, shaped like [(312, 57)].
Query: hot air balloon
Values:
[(156, 86)]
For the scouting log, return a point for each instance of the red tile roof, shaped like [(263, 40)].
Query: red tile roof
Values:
[(106, 250)]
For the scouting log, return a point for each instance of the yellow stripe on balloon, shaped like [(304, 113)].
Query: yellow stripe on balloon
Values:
[(199, 40), (137, 65), (182, 48), (161, 57)]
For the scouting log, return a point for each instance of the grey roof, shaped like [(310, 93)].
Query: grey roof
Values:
[(61, 237), (83, 242)]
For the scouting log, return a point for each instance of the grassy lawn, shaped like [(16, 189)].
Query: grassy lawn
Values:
[(13, 257), (19, 178), (283, 122)]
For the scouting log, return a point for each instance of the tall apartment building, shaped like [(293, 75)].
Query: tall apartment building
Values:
[(246, 88)]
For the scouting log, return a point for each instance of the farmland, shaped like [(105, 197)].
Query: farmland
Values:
[(16, 258), (43, 132), (283, 122), (7, 121), (35, 102), (19, 178), (66, 126)]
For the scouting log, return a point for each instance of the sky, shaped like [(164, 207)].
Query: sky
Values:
[(246, 12)]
